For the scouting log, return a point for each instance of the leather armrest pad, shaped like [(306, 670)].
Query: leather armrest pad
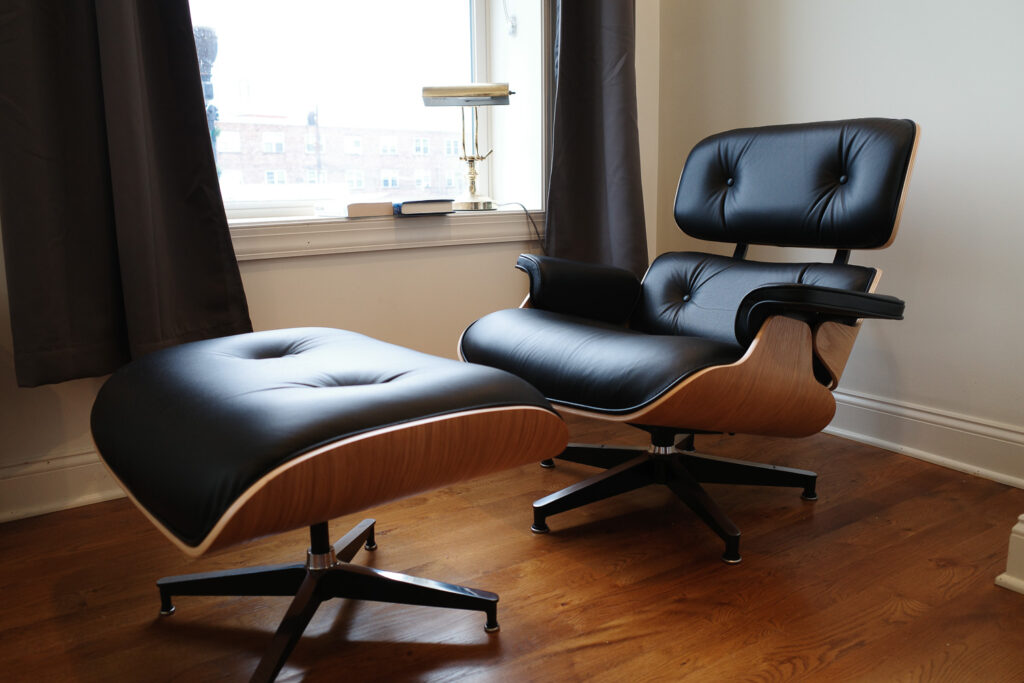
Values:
[(813, 304), (589, 290)]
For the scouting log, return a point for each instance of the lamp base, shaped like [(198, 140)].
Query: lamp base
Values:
[(474, 203)]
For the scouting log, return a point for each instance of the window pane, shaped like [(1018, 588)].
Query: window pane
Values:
[(311, 98)]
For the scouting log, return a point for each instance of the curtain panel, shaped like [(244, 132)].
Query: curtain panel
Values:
[(114, 234), (595, 209)]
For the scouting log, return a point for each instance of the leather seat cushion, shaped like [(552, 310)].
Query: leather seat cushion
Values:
[(586, 364), (188, 429), (698, 294)]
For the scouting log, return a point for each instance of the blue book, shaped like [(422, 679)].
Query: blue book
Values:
[(420, 207)]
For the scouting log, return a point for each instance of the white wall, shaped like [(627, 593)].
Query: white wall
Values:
[(944, 384), (420, 298)]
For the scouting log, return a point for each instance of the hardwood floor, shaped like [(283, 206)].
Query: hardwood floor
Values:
[(887, 577)]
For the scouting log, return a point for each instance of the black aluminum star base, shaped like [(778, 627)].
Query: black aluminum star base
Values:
[(672, 464), (314, 582)]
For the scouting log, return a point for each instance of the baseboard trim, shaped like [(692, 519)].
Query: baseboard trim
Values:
[(965, 443), (1013, 578), (1010, 582), (58, 483)]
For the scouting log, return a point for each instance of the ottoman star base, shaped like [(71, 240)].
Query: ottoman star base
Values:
[(227, 440), (326, 574)]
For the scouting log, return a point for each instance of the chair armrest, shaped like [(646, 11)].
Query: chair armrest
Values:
[(589, 290), (813, 304)]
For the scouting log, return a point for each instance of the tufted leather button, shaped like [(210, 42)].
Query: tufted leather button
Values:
[(730, 181), (842, 180), (686, 297)]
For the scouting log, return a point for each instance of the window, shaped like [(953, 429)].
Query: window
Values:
[(229, 142), (314, 143), (331, 85), (355, 179), (353, 144), (315, 176), (389, 144), (231, 177), (273, 143)]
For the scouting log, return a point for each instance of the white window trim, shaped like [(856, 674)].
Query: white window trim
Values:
[(259, 238)]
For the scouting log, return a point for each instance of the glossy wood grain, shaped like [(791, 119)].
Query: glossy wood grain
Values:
[(382, 465), (833, 343), (888, 577), (771, 390), (906, 187)]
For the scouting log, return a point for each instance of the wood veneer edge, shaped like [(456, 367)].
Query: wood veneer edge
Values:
[(213, 540)]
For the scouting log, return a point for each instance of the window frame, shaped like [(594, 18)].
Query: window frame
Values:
[(355, 178), (421, 178), (389, 179), (276, 229), (387, 145), (273, 140), (313, 143)]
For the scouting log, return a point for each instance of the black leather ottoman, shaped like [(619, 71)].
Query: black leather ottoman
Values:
[(226, 440)]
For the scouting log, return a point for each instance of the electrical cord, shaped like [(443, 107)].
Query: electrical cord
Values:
[(536, 230)]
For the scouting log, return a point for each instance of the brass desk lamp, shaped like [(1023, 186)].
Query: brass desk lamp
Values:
[(473, 95)]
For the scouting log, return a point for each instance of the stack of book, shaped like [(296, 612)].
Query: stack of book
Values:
[(418, 207)]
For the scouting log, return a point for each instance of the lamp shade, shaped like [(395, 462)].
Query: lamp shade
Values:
[(471, 95)]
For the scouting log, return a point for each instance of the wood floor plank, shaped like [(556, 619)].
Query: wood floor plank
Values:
[(887, 577)]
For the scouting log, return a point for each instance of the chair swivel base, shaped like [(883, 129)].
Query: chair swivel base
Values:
[(326, 574), (681, 469)]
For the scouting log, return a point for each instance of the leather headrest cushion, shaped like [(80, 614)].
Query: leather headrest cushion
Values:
[(835, 184)]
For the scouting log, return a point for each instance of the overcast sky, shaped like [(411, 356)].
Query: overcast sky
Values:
[(362, 62)]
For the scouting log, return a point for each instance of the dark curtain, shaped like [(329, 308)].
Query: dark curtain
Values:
[(114, 234), (595, 206)]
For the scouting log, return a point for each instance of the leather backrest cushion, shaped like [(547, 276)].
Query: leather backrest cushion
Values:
[(692, 293), (833, 184)]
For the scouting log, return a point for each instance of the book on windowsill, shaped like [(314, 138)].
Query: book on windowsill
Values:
[(364, 209), (420, 207)]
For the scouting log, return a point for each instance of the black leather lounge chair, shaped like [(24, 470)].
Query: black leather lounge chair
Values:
[(227, 440), (708, 343)]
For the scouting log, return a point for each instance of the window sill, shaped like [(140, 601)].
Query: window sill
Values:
[(269, 238)]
